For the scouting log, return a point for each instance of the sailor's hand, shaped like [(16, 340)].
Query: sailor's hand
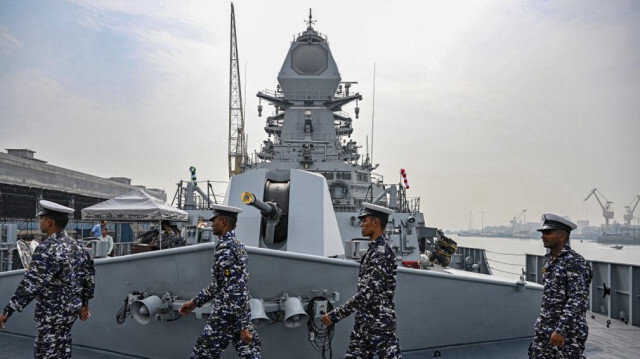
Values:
[(326, 320), (84, 313), (3, 319), (246, 336), (556, 340), (187, 307)]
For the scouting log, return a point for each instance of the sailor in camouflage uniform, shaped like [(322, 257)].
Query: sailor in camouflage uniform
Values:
[(167, 239), (61, 279), (561, 329), (374, 331), (230, 319)]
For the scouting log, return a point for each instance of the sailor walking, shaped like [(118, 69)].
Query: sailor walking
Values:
[(61, 279), (561, 329), (230, 319), (374, 331)]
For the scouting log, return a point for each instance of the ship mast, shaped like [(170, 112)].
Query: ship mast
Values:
[(237, 143)]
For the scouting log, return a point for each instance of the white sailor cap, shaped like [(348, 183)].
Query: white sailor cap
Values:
[(52, 208), (552, 221), (369, 209), (222, 210)]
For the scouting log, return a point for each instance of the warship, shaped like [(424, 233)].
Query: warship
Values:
[(300, 198)]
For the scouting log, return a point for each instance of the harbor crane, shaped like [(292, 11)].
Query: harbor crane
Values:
[(237, 139), (516, 220), (628, 216), (606, 209)]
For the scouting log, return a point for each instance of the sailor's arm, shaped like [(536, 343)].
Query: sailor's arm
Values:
[(578, 279), (375, 280), (89, 284), (40, 272), (207, 293), (234, 284)]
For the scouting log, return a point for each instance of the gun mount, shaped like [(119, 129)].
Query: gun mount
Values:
[(270, 211)]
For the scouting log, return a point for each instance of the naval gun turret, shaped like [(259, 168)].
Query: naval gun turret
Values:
[(270, 211), (287, 210)]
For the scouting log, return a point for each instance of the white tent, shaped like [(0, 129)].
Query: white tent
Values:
[(135, 206)]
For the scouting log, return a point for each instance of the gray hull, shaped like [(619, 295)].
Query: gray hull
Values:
[(434, 309)]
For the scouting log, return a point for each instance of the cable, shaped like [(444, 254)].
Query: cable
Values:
[(505, 254), (504, 271), (320, 335), (511, 264), (124, 311)]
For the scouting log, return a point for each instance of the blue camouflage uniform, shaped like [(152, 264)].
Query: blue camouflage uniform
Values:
[(375, 319), (169, 240), (61, 278), (231, 313), (565, 301)]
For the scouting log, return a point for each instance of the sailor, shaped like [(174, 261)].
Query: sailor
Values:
[(374, 332), (561, 329), (230, 319), (169, 238), (61, 279)]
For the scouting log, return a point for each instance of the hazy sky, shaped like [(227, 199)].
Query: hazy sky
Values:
[(490, 106)]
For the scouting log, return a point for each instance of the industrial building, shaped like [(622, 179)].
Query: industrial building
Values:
[(25, 179)]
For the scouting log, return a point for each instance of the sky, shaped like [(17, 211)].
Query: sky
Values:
[(492, 107)]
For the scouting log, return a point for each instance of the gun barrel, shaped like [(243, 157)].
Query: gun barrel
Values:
[(267, 210)]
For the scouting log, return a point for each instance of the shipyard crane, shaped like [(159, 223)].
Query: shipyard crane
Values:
[(628, 216), (606, 209), (516, 220), (237, 143)]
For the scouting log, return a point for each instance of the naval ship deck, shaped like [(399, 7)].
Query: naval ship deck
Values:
[(619, 340)]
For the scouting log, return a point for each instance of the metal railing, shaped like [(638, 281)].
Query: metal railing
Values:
[(614, 290)]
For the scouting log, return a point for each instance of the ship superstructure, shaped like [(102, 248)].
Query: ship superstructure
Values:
[(309, 131)]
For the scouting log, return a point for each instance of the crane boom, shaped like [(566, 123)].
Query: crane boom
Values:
[(628, 216), (516, 220), (607, 213), (237, 145)]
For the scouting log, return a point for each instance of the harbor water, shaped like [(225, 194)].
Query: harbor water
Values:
[(507, 255)]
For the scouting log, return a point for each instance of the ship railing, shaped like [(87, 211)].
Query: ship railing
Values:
[(122, 248), (308, 95), (7, 257), (614, 290), (8, 242), (344, 116), (302, 95), (410, 205), (314, 33), (471, 260)]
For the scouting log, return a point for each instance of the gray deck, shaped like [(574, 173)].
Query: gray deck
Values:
[(619, 341)]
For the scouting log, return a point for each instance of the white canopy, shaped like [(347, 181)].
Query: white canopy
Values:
[(135, 206)]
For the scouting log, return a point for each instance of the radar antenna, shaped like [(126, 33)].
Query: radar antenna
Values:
[(310, 22), (237, 143)]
